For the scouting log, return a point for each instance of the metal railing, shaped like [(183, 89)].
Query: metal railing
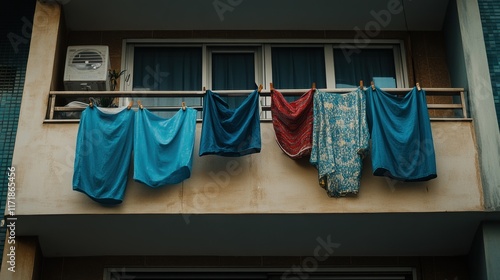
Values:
[(454, 105)]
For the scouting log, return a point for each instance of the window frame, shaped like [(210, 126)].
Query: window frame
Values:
[(399, 60), (228, 49), (353, 273), (269, 62), (128, 61), (263, 56)]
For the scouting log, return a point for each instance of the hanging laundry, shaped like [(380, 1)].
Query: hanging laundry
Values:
[(103, 150), (293, 123), (227, 132), (163, 148), (340, 139), (402, 144)]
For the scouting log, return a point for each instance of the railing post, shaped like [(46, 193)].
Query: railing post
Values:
[(464, 108), (52, 106)]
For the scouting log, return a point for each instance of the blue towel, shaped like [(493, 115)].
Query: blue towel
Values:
[(163, 148), (402, 145), (103, 150), (227, 132), (340, 139)]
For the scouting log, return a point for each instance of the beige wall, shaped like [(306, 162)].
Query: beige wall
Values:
[(268, 182), (25, 262)]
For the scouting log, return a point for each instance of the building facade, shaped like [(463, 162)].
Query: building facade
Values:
[(16, 34), (264, 215), (489, 12)]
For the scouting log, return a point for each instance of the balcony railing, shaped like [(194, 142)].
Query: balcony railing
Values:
[(444, 104)]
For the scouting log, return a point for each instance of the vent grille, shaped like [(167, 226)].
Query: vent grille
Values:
[(7, 78), (87, 60)]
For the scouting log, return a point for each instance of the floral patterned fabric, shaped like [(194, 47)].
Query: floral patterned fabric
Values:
[(340, 138)]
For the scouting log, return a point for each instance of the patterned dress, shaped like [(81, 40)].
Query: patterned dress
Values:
[(340, 139)]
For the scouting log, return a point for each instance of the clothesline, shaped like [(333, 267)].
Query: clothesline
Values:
[(262, 92), (333, 129), (289, 92)]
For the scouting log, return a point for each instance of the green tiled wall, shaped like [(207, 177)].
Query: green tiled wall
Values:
[(16, 19), (490, 18)]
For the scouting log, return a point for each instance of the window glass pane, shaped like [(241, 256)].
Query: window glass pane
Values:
[(298, 67), (233, 71), (376, 65), (168, 69)]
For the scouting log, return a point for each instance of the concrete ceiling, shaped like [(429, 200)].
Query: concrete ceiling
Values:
[(375, 234), (252, 14)]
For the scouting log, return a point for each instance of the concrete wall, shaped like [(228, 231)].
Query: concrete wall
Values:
[(481, 100), (268, 182), (485, 253), (24, 262), (455, 50)]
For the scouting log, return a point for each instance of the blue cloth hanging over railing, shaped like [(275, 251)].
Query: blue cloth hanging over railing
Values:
[(103, 151), (163, 148), (227, 132), (402, 144), (340, 139)]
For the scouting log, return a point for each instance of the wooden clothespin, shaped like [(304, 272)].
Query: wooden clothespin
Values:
[(373, 85), (313, 86), (361, 84), (260, 88), (183, 105), (418, 86), (204, 89), (140, 104), (91, 104), (130, 104), (271, 86)]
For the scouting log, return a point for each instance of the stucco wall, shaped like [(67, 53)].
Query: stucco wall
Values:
[(268, 182), (481, 100)]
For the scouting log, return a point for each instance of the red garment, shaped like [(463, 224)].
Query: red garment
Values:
[(293, 123)]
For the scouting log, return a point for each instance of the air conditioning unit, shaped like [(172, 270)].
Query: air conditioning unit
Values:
[(87, 68)]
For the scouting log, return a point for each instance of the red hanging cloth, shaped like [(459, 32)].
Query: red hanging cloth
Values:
[(293, 123)]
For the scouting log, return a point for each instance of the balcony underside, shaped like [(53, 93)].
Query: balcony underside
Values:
[(403, 234), (254, 15)]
